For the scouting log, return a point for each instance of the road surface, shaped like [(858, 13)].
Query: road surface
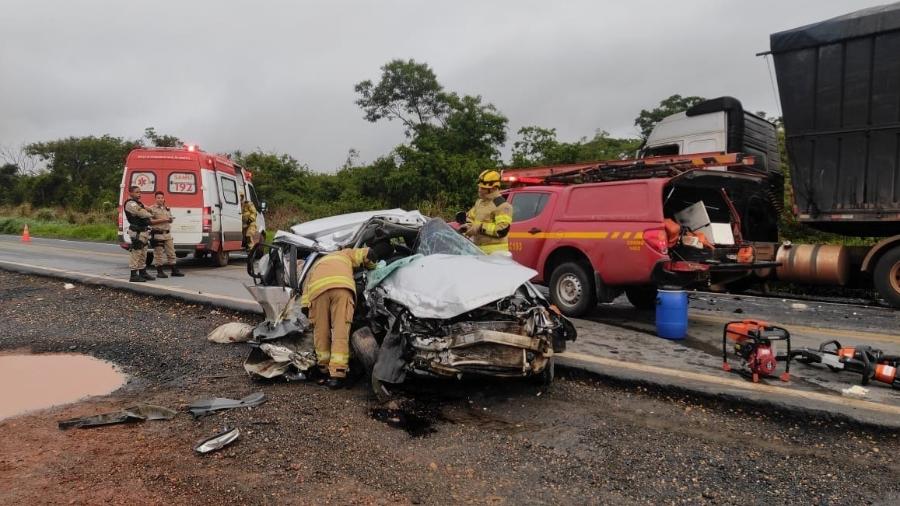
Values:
[(616, 341)]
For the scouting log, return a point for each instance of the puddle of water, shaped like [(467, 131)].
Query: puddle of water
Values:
[(30, 382)]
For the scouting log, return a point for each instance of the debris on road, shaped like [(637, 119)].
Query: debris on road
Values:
[(68, 286), (231, 332), (855, 391), (204, 407), (137, 413), (219, 441)]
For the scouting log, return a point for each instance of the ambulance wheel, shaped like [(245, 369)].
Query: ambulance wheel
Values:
[(887, 276), (572, 289), (641, 297), (220, 258)]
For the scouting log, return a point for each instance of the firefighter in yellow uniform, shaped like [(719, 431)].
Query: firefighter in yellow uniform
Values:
[(329, 291), (487, 223), (161, 237), (248, 220)]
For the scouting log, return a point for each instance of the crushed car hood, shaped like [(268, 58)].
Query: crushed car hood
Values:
[(337, 232), (446, 286)]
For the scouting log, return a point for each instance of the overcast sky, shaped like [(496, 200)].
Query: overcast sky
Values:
[(279, 75)]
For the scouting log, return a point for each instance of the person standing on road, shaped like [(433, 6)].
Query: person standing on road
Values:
[(248, 219), (161, 237), (139, 222), (487, 223), (329, 291)]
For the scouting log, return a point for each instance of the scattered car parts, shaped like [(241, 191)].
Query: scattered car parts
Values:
[(137, 413)]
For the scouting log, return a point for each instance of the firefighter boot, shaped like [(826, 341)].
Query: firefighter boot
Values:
[(160, 274), (176, 273), (144, 274), (136, 277)]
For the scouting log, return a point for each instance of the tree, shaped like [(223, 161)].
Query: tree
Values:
[(407, 91), (82, 172), (161, 141), (539, 146), (646, 120)]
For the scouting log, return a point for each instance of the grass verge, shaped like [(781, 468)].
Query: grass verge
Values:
[(59, 229)]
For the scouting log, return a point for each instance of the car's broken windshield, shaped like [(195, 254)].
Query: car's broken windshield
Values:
[(437, 237)]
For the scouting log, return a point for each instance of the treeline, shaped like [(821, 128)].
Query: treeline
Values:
[(450, 138)]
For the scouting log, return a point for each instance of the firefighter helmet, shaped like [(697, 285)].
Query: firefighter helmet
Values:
[(489, 179)]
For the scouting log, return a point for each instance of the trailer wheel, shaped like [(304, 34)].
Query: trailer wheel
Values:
[(887, 276), (642, 297), (572, 289), (220, 258)]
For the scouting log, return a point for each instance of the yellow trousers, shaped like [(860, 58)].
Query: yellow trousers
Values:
[(331, 314)]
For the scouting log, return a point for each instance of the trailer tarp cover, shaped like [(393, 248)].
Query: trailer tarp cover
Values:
[(839, 84), (861, 23)]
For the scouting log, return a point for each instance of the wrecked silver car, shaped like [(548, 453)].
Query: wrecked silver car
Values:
[(438, 307)]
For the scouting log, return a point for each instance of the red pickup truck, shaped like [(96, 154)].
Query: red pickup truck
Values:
[(670, 224)]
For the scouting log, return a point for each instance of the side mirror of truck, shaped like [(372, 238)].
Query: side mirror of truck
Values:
[(263, 207), (461, 217)]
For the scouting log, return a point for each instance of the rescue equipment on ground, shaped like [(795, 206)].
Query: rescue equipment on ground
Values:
[(871, 363), (753, 342)]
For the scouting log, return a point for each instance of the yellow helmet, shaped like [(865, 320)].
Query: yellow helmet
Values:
[(489, 179)]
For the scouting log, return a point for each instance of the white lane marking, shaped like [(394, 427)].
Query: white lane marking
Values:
[(126, 284), (733, 383)]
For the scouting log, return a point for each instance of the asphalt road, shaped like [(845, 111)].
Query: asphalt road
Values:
[(615, 341)]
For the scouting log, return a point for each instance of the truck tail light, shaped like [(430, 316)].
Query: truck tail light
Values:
[(207, 220), (656, 240)]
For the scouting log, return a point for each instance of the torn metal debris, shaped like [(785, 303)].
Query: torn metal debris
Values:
[(219, 441), (137, 413), (204, 407)]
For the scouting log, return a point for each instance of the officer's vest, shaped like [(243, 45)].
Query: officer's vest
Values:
[(136, 223)]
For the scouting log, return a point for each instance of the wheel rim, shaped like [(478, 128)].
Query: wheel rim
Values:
[(894, 277), (569, 290)]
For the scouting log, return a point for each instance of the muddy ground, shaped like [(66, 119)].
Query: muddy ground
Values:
[(578, 441)]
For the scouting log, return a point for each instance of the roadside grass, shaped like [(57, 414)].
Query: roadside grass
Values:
[(59, 223)]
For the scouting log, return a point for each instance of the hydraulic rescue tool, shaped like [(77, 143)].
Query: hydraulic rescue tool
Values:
[(753, 342), (871, 363)]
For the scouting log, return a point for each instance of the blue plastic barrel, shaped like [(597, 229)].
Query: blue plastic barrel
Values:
[(671, 314)]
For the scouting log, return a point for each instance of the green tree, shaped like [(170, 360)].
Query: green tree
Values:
[(539, 146), (646, 120), (407, 91), (9, 180), (161, 141), (82, 172)]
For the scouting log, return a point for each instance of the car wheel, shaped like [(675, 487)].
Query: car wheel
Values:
[(365, 348), (642, 297), (887, 276), (572, 289), (220, 258)]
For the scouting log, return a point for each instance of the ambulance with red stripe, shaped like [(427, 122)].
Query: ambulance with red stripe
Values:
[(660, 222), (203, 192)]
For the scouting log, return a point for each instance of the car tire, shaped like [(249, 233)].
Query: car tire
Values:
[(572, 289), (887, 276), (642, 297), (220, 258), (365, 348)]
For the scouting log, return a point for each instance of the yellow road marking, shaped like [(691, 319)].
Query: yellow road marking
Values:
[(803, 329), (733, 383)]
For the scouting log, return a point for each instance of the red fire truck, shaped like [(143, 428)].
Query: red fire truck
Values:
[(595, 230)]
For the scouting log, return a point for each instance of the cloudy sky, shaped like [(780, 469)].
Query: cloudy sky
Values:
[(279, 75)]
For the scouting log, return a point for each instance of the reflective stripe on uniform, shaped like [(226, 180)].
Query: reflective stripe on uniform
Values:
[(330, 282), (491, 248), (322, 357), (339, 359)]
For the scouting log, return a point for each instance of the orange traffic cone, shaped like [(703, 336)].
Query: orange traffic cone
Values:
[(26, 237)]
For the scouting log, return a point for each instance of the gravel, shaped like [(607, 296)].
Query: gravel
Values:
[(578, 441)]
